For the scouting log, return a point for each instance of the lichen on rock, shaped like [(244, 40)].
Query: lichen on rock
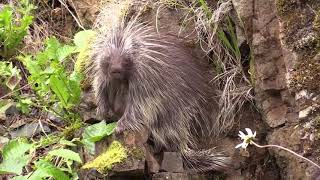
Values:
[(306, 75), (116, 153), (299, 21)]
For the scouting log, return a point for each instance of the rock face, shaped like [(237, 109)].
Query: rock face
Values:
[(285, 43)]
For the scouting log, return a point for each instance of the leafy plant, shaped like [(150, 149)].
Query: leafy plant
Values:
[(9, 75), (14, 24), (24, 105), (95, 133), (57, 163), (18, 153), (49, 77), (15, 157)]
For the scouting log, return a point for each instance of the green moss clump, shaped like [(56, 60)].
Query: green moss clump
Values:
[(116, 153), (70, 130), (137, 153)]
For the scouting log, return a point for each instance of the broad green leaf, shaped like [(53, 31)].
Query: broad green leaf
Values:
[(64, 52), (6, 15), (52, 46), (110, 128), (74, 84), (66, 154), (95, 133), (14, 156), (82, 38), (45, 169), (32, 66), (58, 86)]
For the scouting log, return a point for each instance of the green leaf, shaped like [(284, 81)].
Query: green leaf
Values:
[(67, 143), (74, 83), (95, 133), (64, 52), (58, 86), (82, 38), (14, 156), (110, 128), (46, 169), (52, 46), (66, 154), (32, 66), (24, 105)]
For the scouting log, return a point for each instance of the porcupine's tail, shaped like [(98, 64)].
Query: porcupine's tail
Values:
[(205, 160)]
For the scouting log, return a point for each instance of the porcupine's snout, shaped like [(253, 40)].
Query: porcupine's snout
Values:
[(120, 67), (117, 71)]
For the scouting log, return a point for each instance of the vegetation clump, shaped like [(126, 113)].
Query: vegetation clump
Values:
[(116, 153)]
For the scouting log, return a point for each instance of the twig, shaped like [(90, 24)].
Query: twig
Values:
[(9, 94), (74, 17), (283, 148)]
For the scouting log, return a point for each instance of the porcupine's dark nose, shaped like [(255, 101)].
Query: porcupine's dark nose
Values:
[(117, 71)]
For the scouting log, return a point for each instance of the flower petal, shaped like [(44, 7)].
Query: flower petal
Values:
[(239, 145), (254, 134), (241, 135), (249, 131)]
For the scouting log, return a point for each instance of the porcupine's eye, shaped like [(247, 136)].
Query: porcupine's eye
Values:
[(105, 61), (127, 63)]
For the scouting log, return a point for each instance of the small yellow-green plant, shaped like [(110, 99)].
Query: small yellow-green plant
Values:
[(116, 153), (14, 23)]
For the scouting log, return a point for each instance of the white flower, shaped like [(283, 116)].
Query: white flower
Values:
[(246, 138)]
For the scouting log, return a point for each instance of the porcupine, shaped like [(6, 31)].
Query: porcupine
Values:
[(151, 80)]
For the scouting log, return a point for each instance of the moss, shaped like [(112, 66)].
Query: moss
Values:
[(306, 76), (137, 153), (72, 128), (115, 154)]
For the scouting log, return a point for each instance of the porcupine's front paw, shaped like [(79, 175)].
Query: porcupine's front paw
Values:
[(120, 126)]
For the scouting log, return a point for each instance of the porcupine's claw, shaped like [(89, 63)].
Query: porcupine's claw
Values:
[(120, 127)]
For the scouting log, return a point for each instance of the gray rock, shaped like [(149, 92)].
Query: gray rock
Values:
[(29, 130), (172, 162), (132, 167), (170, 176), (55, 118)]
